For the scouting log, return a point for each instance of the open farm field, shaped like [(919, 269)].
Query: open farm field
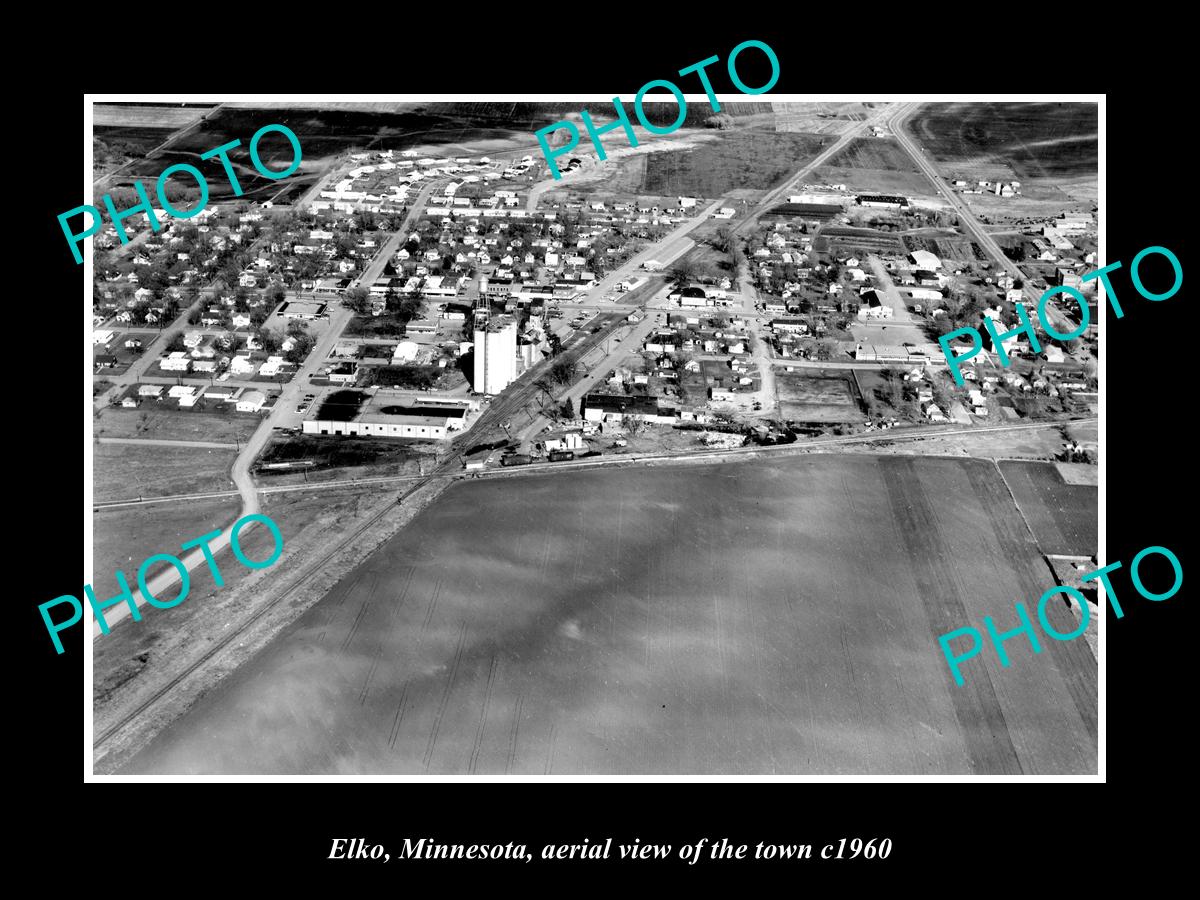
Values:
[(1036, 140), (742, 158), (819, 118), (764, 616), (166, 117), (874, 153), (138, 658), (1064, 517)]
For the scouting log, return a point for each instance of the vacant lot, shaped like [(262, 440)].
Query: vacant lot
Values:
[(875, 164), (1063, 517), (817, 397), (761, 617), (874, 153), (220, 423), (1035, 140), (753, 158), (126, 471)]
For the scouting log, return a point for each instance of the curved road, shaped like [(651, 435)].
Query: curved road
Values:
[(163, 583)]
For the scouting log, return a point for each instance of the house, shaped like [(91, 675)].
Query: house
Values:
[(251, 401), (242, 365), (273, 366), (871, 307), (934, 413), (150, 390), (177, 361), (241, 320)]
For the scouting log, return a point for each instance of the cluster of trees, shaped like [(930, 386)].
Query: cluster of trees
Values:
[(421, 378), (404, 307), (562, 371), (688, 269)]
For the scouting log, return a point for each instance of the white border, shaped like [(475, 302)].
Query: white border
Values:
[(86, 631)]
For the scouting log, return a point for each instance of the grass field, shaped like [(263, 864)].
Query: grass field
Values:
[(1035, 140), (1062, 516), (122, 538), (125, 471), (167, 639), (147, 421), (751, 158), (874, 153), (769, 616)]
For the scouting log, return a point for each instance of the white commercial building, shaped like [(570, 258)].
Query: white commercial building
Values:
[(495, 355)]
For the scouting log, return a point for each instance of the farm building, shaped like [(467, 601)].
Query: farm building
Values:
[(882, 201)]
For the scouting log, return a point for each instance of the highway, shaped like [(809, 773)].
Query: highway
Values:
[(772, 197), (895, 123), (171, 138), (508, 406)]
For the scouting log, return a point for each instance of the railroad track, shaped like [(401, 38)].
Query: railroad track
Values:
[(224, 642), (446, 470)]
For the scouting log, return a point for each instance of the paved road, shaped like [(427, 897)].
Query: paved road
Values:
[(612, 353), (669, 244), (966, 218), (377, 265), (773, 196), (171, 138), (284, 411), (900, 328)]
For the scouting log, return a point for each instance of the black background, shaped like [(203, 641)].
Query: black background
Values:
[(940, 831)]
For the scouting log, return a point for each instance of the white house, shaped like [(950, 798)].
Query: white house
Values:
[(177, 361), (251, 401)]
